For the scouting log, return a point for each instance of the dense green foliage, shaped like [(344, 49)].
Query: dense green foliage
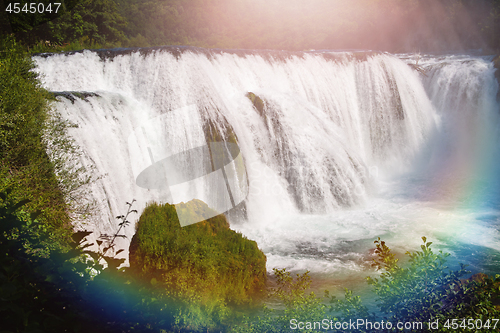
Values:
[(46, 282), (34, 289), (425, 290), (206, 266), (90, 21), (390, 25), (25, 168), (96, 21), (53, 292), (69, 290)]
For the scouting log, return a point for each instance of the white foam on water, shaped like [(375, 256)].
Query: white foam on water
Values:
[(345, 151)]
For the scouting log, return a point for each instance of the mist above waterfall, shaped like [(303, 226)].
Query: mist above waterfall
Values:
[(346, 147)]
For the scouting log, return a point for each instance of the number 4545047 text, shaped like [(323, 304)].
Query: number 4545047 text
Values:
[(33, 8)]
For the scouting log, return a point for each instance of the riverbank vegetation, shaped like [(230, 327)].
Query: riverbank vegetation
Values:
[(25, 168), (423, 292), (71, 291)]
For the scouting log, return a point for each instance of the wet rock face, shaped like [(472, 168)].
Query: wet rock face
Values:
[(257, 102), (73, 95), (496, 63)]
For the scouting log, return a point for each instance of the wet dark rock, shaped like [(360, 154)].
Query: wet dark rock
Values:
[(257, 102), (496, 64), (73, 95)]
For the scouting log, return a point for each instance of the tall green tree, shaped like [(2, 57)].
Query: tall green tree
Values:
[(95, 20)]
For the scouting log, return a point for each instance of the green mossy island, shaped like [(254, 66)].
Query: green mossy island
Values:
[(206, 262)]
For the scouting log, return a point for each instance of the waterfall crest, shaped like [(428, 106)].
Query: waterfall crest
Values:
[(328, 125)]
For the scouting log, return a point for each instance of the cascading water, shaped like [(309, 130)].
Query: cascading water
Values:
[(342, 148)]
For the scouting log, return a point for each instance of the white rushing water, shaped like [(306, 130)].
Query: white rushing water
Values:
[(345, 148)]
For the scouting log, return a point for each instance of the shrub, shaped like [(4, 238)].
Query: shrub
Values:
[(426, 290), (40, 293)]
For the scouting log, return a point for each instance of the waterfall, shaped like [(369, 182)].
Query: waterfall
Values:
[(302, 146)]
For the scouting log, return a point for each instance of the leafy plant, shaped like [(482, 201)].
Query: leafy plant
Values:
[(38, 292), (58, 290), (426, 289), (106, 243), (298, 305), (350, 308)]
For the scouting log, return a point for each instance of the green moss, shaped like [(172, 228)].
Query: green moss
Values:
[(207, 265), (257, 102)]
